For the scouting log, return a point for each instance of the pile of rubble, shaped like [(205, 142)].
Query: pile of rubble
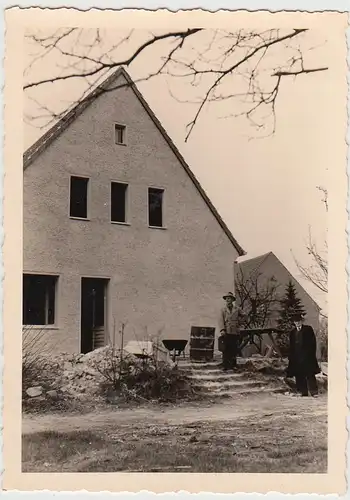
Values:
[(70, 376), (79, 375), (39, 394), (85, 379)]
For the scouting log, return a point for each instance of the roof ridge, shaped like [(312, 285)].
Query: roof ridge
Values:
[(42, 143), (261, 258)]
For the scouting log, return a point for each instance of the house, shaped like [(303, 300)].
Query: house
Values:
[(117, 230), (266, 275)]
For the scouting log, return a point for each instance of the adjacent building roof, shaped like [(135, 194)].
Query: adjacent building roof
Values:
[(39, 146), (250, 266)]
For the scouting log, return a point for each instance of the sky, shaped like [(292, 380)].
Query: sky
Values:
[(264, 187)]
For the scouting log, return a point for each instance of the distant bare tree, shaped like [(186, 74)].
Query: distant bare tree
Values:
[(317, 272), (254, 63), (257, 297)]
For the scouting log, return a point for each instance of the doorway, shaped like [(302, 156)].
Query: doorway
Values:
[(93, 313)]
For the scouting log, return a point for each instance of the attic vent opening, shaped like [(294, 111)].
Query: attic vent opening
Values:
[(119, 133)]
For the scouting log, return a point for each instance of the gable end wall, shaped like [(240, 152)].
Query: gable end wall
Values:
[(161, 280)]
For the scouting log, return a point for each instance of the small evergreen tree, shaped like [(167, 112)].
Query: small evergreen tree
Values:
[(290, 305)]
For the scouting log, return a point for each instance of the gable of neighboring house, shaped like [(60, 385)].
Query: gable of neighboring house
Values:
[(264, 268)]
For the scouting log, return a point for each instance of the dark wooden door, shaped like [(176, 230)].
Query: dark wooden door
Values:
[(93, 313)]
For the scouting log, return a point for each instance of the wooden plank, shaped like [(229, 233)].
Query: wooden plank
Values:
[(200, 349), (204, 338)]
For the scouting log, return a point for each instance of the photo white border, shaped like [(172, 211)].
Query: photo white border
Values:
[(13, 219)]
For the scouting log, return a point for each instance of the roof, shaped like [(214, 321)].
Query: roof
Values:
[(40, 145), (250, 266)]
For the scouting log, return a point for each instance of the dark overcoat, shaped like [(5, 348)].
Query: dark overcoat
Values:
[(302, 353)]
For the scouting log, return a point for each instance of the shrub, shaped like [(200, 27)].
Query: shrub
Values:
[(282, 342), (130, 377), (36, 367)]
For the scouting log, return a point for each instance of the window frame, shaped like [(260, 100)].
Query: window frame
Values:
[(88, 192), (163, 226), (123, 128), (127, 206), (45, 326)]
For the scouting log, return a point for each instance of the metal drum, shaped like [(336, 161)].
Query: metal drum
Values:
[(202, 343)]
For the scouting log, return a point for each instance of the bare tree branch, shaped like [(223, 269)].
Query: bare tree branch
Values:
[(257, 296), (316, 273), (222, 74), (299, 72), (325, 196), (221, 65), (125, 62)]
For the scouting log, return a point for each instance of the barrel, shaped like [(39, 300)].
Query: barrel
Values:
[(202, 343)]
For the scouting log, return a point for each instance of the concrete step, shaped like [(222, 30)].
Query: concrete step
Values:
[(203, 369), (205, 364), (212, 372), (212, 382), (216, 376), (196, 366)]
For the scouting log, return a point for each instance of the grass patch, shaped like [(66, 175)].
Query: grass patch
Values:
[(271, 446), (51, 451)]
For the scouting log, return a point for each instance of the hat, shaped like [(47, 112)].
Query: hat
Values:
[(229, 294), (297, 317)]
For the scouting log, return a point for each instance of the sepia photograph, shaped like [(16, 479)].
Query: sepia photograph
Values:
[(175, 218)]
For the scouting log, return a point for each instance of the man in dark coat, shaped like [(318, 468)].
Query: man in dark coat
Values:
[(303, 363)]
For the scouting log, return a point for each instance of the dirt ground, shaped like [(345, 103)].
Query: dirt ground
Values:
[(261, 433)]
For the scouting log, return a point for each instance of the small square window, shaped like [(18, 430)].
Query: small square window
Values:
[(39, 299), (78, 197), (119, 134), (155, 207), (118, 201)]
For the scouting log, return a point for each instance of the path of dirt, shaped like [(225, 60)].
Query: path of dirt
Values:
[(261, 405)]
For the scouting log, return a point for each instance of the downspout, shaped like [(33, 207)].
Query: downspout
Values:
[(235, 264)]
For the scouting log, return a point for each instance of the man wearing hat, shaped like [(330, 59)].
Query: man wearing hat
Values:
[(228, 324), (303, 363)]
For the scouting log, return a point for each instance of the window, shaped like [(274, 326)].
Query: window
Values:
[(78, 197), (118, 201), (39, 296), (155, 207), (119, 134)]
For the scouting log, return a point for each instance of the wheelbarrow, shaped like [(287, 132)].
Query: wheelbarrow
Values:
[(175, 346)]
